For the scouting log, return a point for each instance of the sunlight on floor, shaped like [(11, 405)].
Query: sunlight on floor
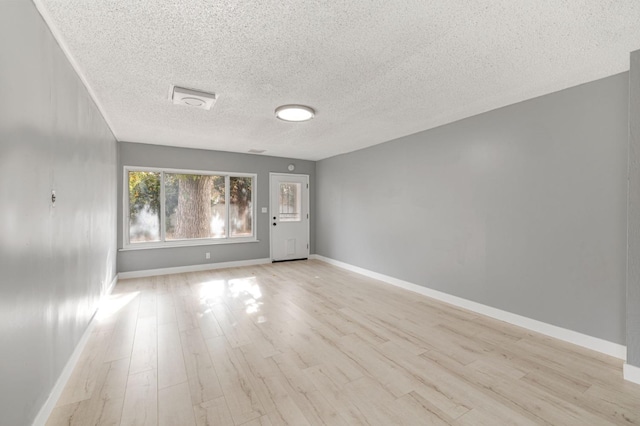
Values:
[(249, 289), (112, 304), (245, 289), (212, 292)]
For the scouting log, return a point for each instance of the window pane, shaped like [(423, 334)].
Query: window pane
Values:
[(290, 202), (194, 206), (219, 210), (144, 206), (241, 209)]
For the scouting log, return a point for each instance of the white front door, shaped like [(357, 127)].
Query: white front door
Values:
[(289, 216)]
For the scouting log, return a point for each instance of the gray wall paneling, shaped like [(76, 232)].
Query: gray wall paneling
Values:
[(55, 262)]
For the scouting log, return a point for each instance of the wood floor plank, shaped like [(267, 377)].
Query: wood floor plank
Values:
[(335, 394), (304, 393), (284, 367), (204, 385), (486, 416), (256, 335), (66, 415), (208, 325), (545, 407), (387, 333), (141, 400), (317, 409), (261, 421), (148, 305), (373, 401), (241, 397), (174, 406), (386, 372), (105, 405), (285, 411), (165, 309), (213, 412), (257, 370), (195, 352), (144, 355), (614, 405), (124, 331), (171, 367), (232, 330), (413, 406), (186, 307), (83, 380), (595, 370)]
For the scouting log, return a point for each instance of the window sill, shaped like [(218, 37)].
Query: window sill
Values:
[(184, 244)]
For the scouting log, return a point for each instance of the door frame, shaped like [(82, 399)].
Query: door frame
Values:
[(271, 210)]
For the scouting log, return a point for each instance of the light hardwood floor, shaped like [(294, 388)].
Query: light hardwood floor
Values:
[(308, 343)]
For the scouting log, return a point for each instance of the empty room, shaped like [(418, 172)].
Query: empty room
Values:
[(254, 213)]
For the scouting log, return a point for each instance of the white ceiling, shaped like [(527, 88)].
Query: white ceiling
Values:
[(373, 70)]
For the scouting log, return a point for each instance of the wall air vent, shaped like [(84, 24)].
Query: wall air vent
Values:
[(192, 98)]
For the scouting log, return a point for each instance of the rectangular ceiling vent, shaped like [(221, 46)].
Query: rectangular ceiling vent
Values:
[(192, 98), (257, 151)]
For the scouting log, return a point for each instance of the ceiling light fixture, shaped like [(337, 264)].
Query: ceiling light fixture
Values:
[(295, 113), (193, 98)]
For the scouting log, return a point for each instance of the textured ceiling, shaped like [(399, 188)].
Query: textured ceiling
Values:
[(373, 70)]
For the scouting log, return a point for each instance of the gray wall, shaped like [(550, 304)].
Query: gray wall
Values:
[(133, 154), (522, 208), (633, 265), (54, 262)]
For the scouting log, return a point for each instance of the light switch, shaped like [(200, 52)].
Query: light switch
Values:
[(264, 210)]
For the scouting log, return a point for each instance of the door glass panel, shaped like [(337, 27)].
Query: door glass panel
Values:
[(290, 202)]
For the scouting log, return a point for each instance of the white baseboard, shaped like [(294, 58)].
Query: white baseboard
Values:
[(631, 373), (56, 392), (192, 268), (589, 342), (112, 285)]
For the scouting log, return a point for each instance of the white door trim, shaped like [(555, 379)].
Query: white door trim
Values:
[(271, 210)]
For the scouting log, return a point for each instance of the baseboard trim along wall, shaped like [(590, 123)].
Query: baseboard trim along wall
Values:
[(192, 268), (56, 392), (589, 342), (631, 373)]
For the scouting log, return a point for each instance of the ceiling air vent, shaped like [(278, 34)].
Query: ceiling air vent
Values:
[(257, 151), (192, 98)]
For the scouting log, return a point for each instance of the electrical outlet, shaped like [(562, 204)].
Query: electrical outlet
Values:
[(207, 255)]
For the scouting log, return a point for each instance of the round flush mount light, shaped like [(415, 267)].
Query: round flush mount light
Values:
[(295, 113)]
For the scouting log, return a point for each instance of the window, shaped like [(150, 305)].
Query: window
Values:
[(183, 207)]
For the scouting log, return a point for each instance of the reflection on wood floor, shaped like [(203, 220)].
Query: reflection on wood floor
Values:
[(308, 343)]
